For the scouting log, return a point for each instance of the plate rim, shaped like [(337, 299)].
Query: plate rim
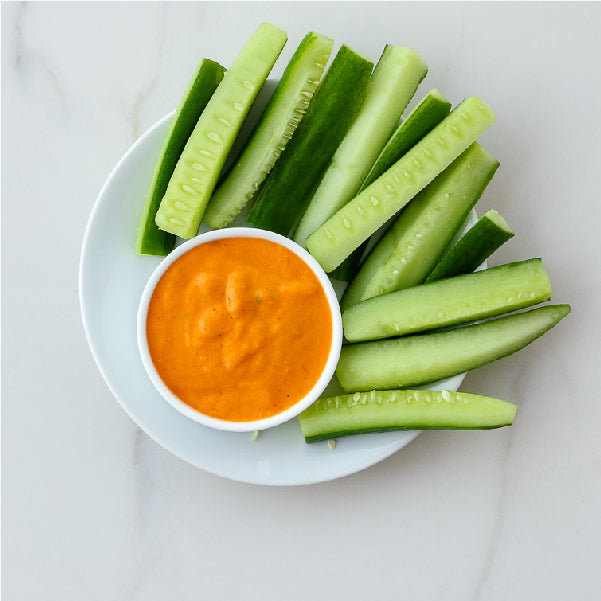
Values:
[(156, 436)]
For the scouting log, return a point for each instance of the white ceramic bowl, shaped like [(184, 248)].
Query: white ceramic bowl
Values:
[(247, 426)]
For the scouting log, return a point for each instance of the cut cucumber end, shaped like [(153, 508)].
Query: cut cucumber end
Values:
[(489, 233), (496, 218)]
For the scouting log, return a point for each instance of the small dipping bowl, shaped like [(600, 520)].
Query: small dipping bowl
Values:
[(272, 420)]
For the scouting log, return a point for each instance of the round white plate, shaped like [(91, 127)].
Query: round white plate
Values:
[(111, 280)]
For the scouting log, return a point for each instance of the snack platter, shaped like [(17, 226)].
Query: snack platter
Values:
[(112, 278), (348, 159)]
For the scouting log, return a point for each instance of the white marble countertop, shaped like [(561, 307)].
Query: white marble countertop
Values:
[(94, 509)]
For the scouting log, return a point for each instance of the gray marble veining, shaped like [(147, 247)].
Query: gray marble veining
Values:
[(93, 508)]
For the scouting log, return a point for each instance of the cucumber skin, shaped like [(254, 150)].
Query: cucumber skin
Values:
[(418, 237), (150, 239), (362, 216), (448, 302), (431, 110), (347, 270), (392, 84), (198, 168), (488, 234), (220, 211), (421, 359), (294, 177), (390, 410), (396, 273)]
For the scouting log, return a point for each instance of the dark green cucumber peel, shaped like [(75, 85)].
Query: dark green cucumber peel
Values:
[(273, 131), (347, 270), (430, 111), (150, 239), (423, 358), (447, 302), (488, 234), (354, 223), (390, 88), (294, 177), (418, 237), (388, 410)]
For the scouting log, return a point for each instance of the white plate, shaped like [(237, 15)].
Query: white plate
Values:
[(112, 278)]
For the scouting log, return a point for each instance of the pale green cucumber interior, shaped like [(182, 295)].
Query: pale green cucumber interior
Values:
[(498, 220), (415, 241), (390, 88), (198, 168), (430, 111), (384, 410), (289, 186), (275, 128), (460, 299), (436, 213), (370, 209), (426, 115)]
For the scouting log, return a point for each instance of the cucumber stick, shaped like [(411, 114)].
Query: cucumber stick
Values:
[(198, 168), (391, 86), (362, 216), (426, 115), (386, 410), (296, 174), (423, 358), (150, 239), (412, 246), (450, 301), (474, 247), (430, 111), (273, 131)]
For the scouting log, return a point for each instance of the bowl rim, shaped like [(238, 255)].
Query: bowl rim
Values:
[(290, 412)]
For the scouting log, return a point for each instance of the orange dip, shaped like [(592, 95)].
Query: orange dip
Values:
[(239, 329)]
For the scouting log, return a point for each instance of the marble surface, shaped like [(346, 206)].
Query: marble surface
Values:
[(94, 509)]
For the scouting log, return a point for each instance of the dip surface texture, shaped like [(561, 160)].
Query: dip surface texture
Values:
[(239, 329)]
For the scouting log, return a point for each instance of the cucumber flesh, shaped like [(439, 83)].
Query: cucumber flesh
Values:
[(430, 111), (423, 358), (412, 246), (150, 239), (391, 86), (296, 174), (386, 410), (204, 155), (448, 302), (474, 247), (370, 209), (273, 131)]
